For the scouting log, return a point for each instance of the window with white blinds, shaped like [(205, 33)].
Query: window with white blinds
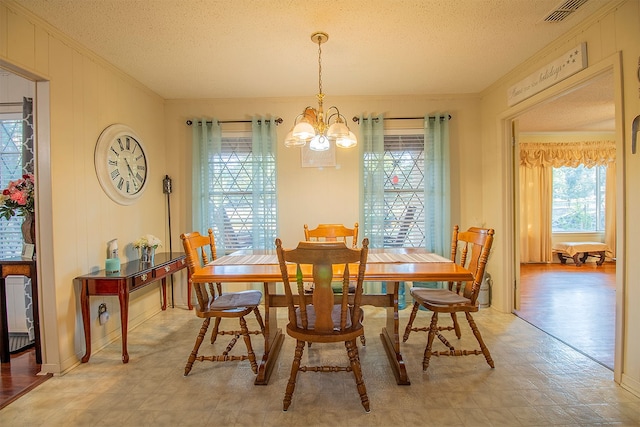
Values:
[(243, 185), (403, 164), (10, 169)]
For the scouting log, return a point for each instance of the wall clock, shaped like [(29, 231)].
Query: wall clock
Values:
[(121, 164)]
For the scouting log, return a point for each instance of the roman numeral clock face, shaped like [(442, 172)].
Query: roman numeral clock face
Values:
[(121, 164)]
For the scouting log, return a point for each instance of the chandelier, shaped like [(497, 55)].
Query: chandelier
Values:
[(312, 127)]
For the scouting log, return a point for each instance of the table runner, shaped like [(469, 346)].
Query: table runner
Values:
[(272, 259)]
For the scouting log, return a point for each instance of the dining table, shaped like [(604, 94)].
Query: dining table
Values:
[(390, 266)]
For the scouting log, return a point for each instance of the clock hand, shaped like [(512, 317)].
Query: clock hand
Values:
[(133, 178)]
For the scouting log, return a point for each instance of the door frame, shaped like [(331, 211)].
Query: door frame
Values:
[(507, 122)]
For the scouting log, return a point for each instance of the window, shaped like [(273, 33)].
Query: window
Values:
[(10, 169), (403, 164), (579, 199), (243, 188)]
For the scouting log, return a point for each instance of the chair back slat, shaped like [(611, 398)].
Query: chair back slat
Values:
[(471, 249), (200, 250), (332, 233), (324, 260)]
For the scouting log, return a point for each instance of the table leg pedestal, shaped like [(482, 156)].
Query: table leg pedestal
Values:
[(390, 337), (273, 337), (269, 358), (395, 359)]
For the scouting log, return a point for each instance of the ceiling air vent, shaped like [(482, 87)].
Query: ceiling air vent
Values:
[(563, 10)]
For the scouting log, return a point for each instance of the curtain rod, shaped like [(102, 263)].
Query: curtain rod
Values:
[(10, 104), (357, 119), (278, 120)]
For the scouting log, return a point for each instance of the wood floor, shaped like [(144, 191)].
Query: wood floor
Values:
[(19, 376), (574, 304)]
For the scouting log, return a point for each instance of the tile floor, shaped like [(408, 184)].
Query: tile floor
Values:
[(537, 381)]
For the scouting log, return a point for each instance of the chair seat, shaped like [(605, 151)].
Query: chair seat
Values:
[(350, 332), (311, 317), (237, 300), (439, 296)]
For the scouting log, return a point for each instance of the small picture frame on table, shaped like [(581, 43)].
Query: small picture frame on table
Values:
[(28, 250)]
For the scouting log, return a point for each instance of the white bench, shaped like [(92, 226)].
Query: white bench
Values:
[(580, 251)]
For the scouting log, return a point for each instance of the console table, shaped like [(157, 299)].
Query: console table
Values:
[(132, 276), (18, 267)]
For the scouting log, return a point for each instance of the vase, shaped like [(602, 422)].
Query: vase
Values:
[(29, 228), (147, 254)]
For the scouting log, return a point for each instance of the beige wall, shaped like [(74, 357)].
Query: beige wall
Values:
[(315, 195), (76, 219), (612, 43)]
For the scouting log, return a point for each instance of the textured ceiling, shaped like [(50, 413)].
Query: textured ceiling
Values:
[(589, 108), (250, 48)]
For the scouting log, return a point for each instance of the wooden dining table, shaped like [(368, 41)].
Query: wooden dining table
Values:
[(391, 266)]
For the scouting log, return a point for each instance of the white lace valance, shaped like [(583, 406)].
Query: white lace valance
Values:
[(571, 154)]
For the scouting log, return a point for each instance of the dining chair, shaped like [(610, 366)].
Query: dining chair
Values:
[(323, 317), (332, 233), (471, 248), (216, 304)]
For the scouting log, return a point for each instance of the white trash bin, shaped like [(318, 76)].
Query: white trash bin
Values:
[(484, 297)]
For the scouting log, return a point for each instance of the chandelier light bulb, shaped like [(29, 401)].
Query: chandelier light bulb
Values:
[(319, 143), (303, 130), (290, 141), (347, 141), (338, 130)]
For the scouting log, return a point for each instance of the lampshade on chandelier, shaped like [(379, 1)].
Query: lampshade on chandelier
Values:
[(312, 127)]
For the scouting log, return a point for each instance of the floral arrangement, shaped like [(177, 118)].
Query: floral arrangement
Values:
[(147, 241), (18, 198)]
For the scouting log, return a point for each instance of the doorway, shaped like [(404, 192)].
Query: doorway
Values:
[(563, 299), (17, 159)]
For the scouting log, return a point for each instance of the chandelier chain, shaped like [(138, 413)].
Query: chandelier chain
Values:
[(320, 64)]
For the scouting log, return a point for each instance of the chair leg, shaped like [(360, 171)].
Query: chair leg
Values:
[(412, 317), (354, 360), (194, 352), (363, 340), (256, 311), (247, 341), (295, 366), (216, 328), (476, 332), (456, 325), (433, 330)]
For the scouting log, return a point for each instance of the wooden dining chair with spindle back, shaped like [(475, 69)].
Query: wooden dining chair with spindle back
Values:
[(323, 317), (332, 233), (214, 303), (470, 249)]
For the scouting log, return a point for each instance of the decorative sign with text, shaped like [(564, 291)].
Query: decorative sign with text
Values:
[(567, 65)]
